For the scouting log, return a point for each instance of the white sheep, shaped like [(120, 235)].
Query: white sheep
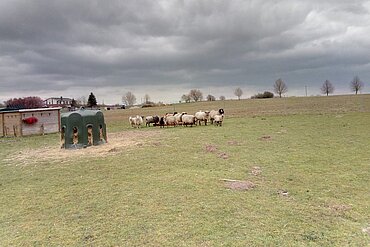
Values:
[(178, 117), (202, 116), (170, 120), (218, 119), (188, 120), (136, 121), (213, 113)]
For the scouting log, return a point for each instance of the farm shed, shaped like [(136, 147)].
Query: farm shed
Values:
[(82, 128), (26, 122)]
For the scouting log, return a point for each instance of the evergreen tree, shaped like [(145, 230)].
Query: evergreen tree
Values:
[(91, 102)]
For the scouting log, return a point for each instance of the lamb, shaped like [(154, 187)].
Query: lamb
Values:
[(218, 120), (213, 113)]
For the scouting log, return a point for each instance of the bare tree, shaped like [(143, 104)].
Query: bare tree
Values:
[(146, 98), (25, 103), (186, 98), (211, 97), (222, 97), (280, 87), (196, 95), (327, 88), (356, 84), (81, 101), (129, 99), (238, 92)]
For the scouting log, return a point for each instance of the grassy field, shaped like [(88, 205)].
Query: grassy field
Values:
[(308, 158)]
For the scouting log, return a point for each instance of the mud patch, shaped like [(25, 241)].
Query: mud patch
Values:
[(239, 185), (117, 143)]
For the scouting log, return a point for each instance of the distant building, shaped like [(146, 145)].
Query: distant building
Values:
[(58, 102)]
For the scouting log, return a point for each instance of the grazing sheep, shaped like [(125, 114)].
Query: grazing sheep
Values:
[(178, 117), (202, 116), (136, 121), (218, 120), (213, 113), (188, 120), (151, 119), (170, 120)]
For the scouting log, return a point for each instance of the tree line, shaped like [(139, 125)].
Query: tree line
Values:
[(195, 95)]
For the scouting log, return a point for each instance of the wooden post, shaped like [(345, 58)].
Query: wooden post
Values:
[(20, 124), (59, 120)]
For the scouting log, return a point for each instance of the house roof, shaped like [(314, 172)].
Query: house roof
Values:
[(40, 109), (58, 98)]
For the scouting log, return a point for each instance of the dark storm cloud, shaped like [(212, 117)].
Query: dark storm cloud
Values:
[(48, 47)]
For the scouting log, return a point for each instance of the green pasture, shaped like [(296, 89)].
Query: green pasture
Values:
[(312, 189)]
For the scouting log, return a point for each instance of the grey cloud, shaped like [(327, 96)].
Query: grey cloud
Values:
[(53, 46)]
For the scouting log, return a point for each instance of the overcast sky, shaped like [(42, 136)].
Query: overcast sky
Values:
[(165, 48)]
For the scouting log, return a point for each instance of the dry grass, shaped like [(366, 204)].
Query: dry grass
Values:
[(117, 143)]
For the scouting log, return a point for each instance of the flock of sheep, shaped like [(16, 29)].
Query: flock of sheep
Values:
[(174, 119)]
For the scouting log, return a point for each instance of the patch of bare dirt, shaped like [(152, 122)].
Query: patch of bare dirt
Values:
[(239, 185), (223, 156), (266, 138), (210, 148), (156, 144), (256, 170), (117, 143)]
